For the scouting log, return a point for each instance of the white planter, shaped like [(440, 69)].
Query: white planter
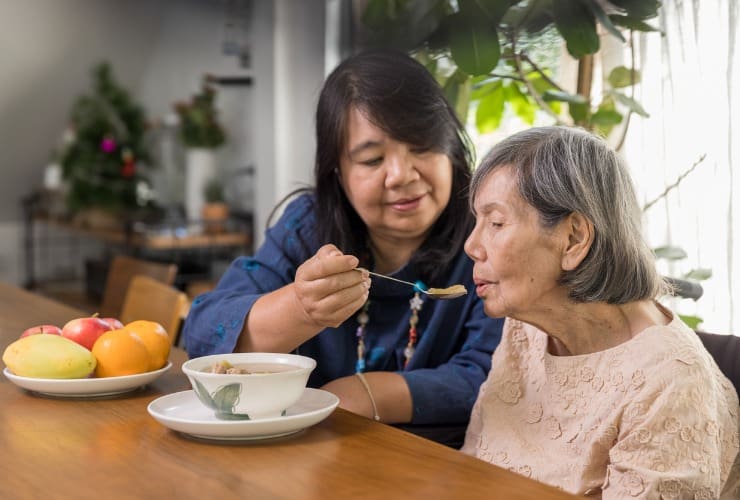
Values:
[(200, 167)]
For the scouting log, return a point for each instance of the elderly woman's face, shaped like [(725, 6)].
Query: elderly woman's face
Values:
[(397, 190), (517, 261)]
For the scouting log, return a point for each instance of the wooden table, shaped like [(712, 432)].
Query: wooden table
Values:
[(112, 448)]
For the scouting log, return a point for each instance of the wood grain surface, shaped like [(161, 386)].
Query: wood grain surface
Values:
[(112, 448)]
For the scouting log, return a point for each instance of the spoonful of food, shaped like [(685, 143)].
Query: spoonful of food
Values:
[(451, 292)]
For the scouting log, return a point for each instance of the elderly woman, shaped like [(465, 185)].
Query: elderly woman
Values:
[(596, 387)]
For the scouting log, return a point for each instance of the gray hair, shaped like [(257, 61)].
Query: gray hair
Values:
[(561, 170)]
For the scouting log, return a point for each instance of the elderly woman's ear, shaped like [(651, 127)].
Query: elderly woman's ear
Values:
[(579, 232)]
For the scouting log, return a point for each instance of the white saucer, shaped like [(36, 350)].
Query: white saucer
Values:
[(85, 387), (183, 412)]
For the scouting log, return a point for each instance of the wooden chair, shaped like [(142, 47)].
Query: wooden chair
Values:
[(122, 269), (152, 300)]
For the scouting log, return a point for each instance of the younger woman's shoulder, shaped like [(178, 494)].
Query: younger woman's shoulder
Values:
[(303, 204), (297, 212)]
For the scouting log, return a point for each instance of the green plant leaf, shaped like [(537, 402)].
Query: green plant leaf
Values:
[(377, 14), (557, 95), (630, 103), (474, 44), (490, 110), (403, 24), (541, 86), (520, 103), (698, 274), (531, 17), (670, 253), (640, 9), (622, 76), (606, 118), (692, 322), (598, 11), (579, 112), (457, 88), (632, 23), (576, 23), (493, 9), (481, 88)]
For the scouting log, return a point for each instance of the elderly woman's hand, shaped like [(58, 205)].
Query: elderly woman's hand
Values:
[(328, 288)]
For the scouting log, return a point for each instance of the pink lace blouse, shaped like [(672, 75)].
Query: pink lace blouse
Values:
[(651, 418)]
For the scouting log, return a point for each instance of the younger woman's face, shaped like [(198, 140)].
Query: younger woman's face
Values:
[(398, 190)]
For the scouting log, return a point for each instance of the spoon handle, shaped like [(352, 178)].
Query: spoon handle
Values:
[(387, 277)]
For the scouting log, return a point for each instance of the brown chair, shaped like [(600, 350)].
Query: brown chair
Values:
[(152, 300), (122, 269)]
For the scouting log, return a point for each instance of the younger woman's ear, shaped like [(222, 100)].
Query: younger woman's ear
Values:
[(580, 233)]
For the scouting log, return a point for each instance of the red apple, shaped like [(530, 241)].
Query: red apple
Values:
[(35, 330), (114, 323), (85, 331)]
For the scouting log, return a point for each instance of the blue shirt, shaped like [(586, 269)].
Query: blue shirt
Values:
[(455, 337)]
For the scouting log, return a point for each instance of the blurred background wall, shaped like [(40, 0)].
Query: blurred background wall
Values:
[(159, 51)]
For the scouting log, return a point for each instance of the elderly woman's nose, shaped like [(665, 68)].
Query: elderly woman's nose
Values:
[(473, 247)]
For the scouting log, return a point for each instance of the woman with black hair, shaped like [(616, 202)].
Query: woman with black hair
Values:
[(391, 176)]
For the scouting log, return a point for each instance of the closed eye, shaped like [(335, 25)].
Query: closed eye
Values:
[(372, 162), (419, 150)]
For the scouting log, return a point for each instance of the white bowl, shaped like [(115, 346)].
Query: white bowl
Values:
[(264, 393)]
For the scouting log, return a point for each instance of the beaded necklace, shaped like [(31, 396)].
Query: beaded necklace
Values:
[(415, 305)]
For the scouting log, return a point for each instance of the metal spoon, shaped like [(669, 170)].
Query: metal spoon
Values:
[(451, 292)]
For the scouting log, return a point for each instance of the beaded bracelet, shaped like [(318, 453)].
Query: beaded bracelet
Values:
[(361, 376)]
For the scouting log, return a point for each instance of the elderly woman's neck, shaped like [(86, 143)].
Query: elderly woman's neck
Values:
[(579, 329)]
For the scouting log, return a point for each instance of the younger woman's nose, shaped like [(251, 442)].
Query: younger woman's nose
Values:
[(400, 169)]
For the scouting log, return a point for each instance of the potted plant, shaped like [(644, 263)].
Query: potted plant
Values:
[(496, 55), (202, 134), (105, 153), (215, 211)]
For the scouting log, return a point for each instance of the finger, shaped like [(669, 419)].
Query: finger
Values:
[(327, 262), (328, 250), (335, 309), (347, 284)]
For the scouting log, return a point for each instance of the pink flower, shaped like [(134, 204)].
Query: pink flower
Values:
[(508, 391), (587, 374), (552, 427), (632, 482), (672, 425), (534, 413), (670, 488), (108, 144)]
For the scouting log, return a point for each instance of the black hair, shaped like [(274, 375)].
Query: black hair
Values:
[(399, 96)]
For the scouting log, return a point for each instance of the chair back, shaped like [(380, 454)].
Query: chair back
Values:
[(725, 349), (122, 269), (151, 300)]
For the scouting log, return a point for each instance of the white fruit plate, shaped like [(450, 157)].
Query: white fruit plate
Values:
[(85, 387)]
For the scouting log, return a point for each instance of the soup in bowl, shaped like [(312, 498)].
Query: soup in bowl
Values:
[(249, 386)]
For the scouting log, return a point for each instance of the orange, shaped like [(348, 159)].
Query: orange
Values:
[(155, 339), (120, 352)]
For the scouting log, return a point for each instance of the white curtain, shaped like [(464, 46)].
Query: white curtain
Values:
[(691, 88)]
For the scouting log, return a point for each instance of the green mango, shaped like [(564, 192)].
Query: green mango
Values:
[(48, 356)]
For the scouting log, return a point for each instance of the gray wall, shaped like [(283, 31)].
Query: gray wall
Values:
[(159, 50)]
